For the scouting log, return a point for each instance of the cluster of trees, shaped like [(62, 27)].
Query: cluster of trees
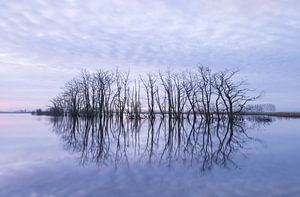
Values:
[(166, 94)]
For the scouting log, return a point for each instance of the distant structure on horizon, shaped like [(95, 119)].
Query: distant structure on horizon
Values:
[(261, 108), (16, 111)]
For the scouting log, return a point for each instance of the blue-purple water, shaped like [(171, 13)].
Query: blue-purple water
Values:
[(41, 156)]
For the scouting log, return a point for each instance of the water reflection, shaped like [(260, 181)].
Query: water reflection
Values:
[(158, 142)]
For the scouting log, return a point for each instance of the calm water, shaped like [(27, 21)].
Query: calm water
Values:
[(42, 156)]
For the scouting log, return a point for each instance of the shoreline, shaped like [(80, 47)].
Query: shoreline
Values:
[(273, 114)]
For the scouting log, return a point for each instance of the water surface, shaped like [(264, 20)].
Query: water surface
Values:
[(44, 156)]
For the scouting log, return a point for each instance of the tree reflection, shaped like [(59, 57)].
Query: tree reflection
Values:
[(108, 141)]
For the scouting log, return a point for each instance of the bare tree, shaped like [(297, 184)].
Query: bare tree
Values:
[(167, 84), (205, 82), (234, 94), (161, 101), (179, 95), (135, 104), (71, 97), (58, 106), (103, 82), (149, 86), (85, 91), (190, 88), (122, 92)]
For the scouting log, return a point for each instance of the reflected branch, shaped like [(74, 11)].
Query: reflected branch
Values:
[(165, 141)]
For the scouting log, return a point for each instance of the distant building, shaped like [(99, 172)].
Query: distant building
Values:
[(261, 108)]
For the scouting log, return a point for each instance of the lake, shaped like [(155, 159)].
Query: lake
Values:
[(46, 156)]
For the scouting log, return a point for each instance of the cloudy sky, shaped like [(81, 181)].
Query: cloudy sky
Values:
[(43, 44)]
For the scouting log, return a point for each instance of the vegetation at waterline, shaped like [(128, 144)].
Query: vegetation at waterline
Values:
[(107, 93), (50, 112)]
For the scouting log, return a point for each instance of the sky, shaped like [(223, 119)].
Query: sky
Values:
[(44, 44)]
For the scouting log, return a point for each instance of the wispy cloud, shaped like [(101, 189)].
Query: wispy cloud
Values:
[(44, 43)]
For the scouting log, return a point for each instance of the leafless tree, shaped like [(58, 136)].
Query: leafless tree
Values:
[(71, 97), (122, 93), (179, 95), (234, 93), (135, 103), (85, 84), (161, 100), (191, 90), (205, 82), (149, 86), (103, 82), (167, 83)]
